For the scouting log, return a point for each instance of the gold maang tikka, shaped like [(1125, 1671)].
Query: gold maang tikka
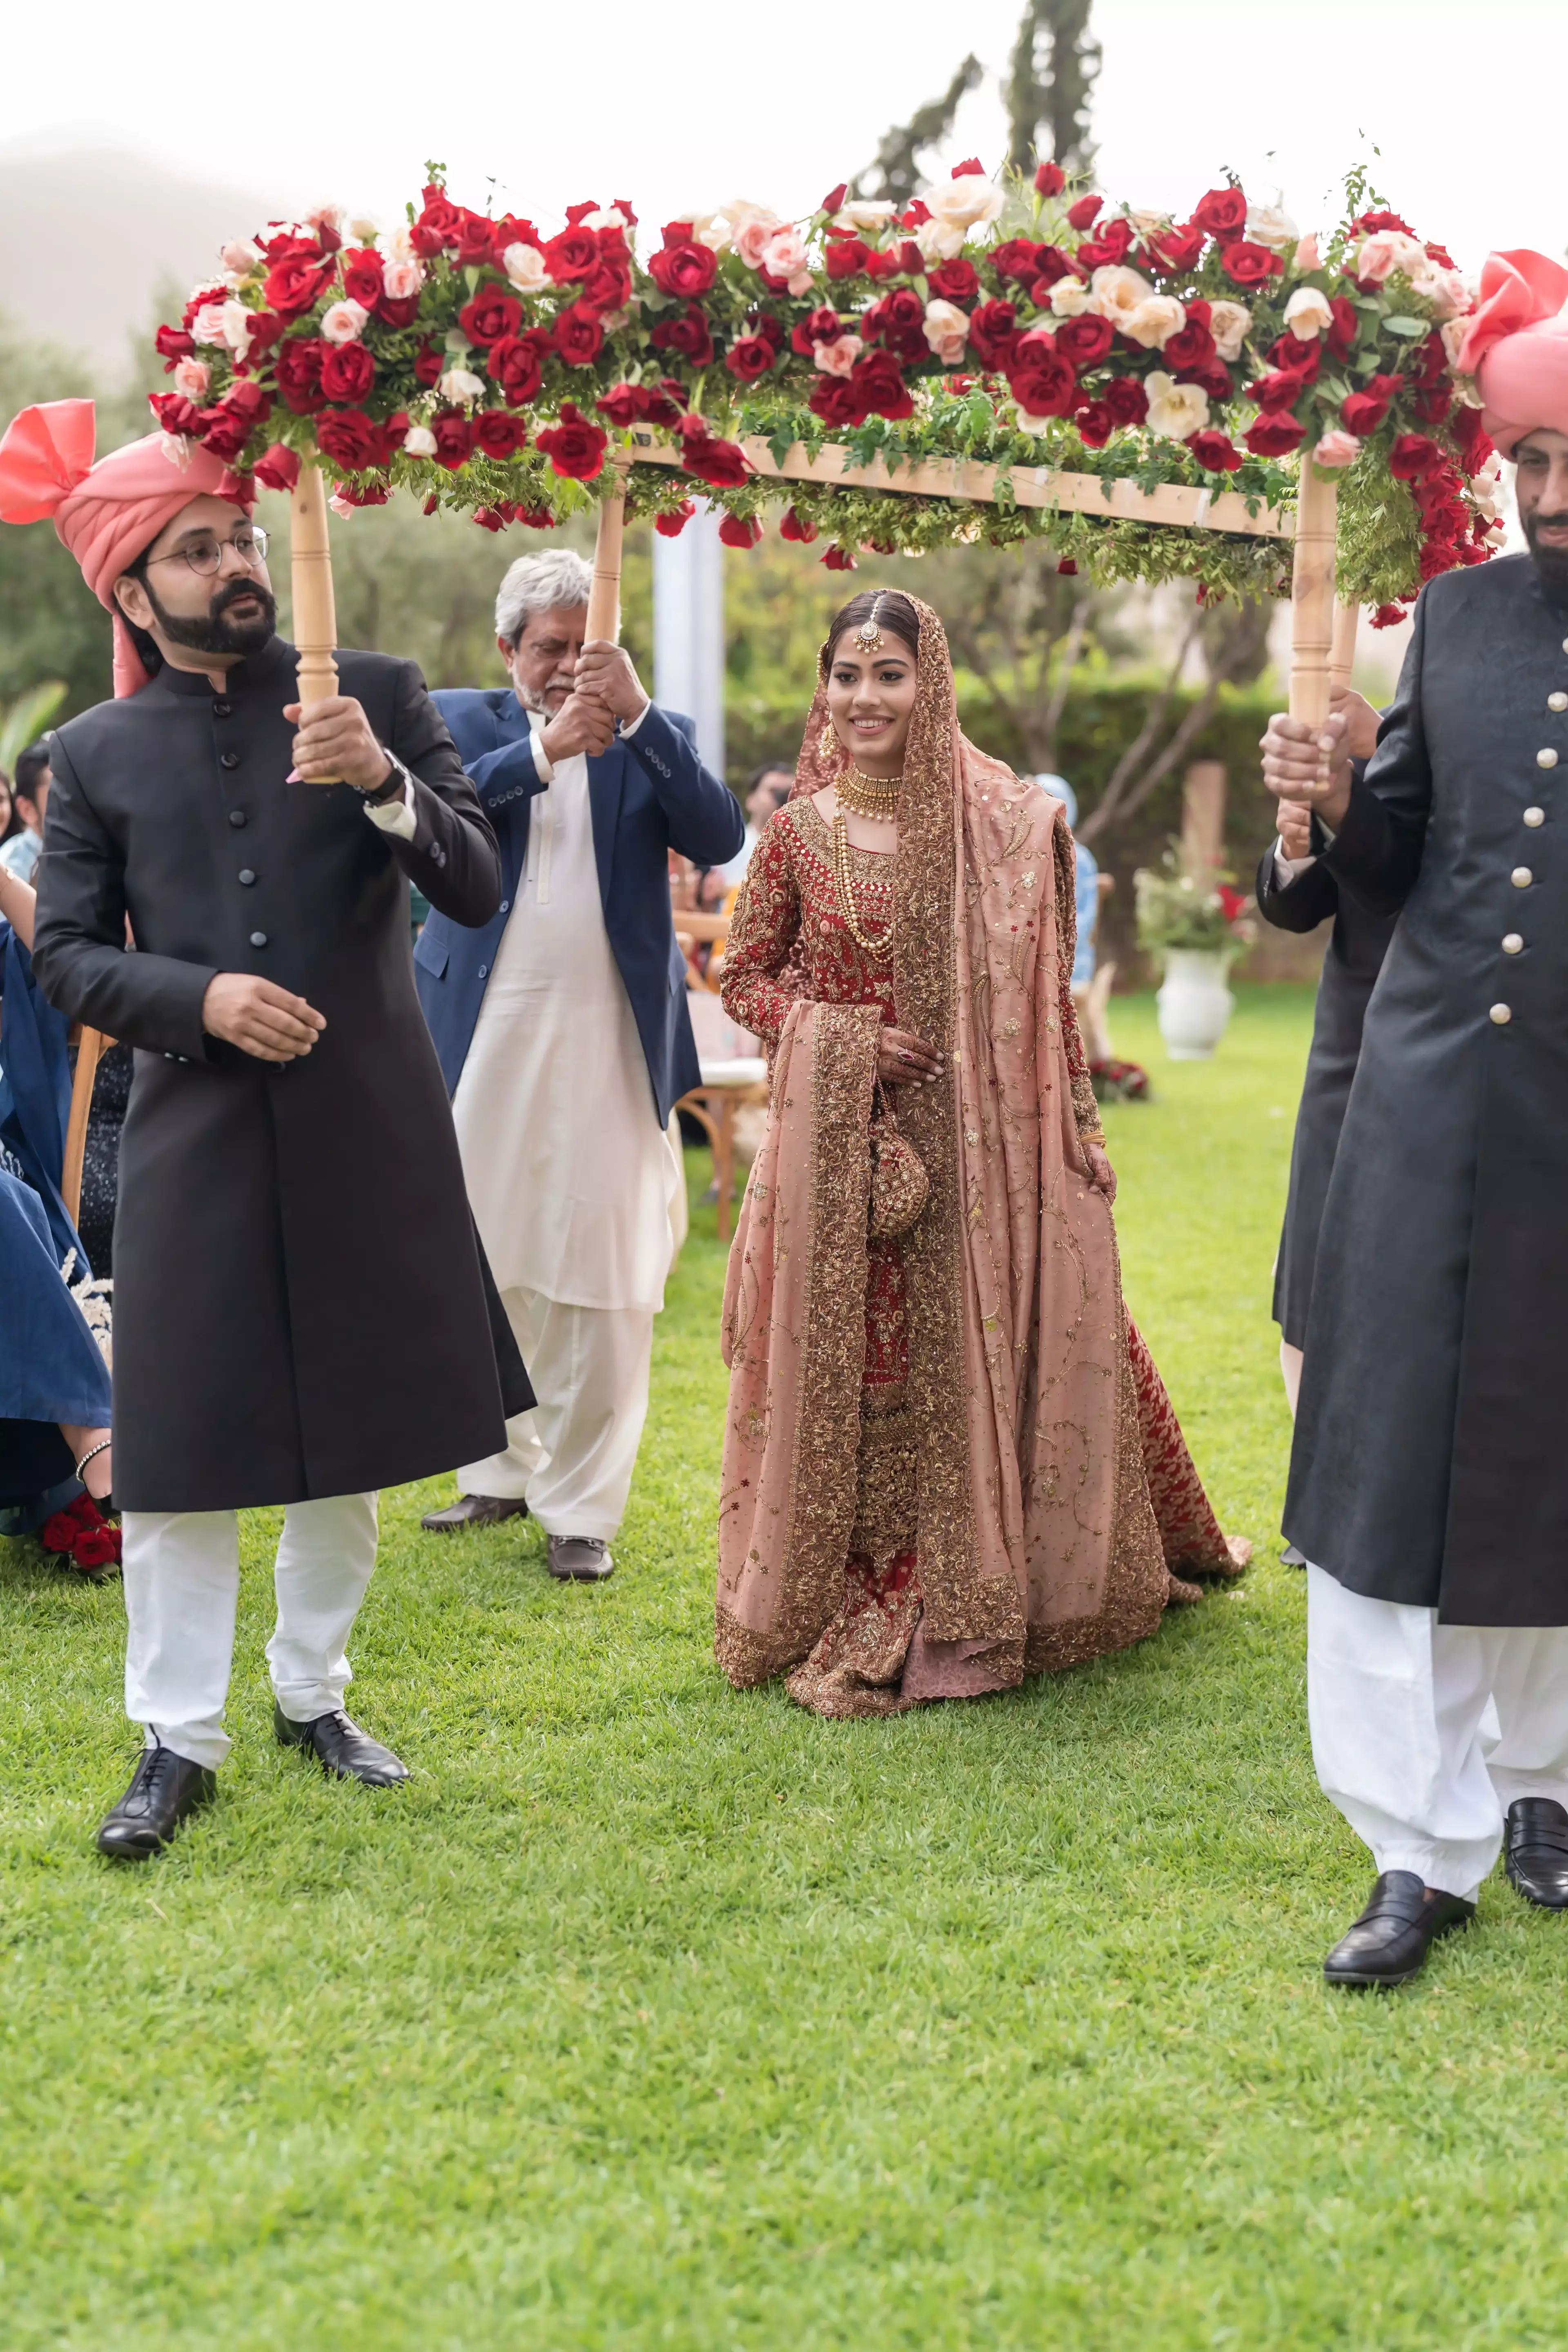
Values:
[(868, 637)]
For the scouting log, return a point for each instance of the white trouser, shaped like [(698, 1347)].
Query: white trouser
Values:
[(182, 1587), (571, 1459), (1402, 1738)]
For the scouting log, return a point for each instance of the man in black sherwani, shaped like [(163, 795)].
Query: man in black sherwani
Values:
[(1429, 1477), (300, 1315)]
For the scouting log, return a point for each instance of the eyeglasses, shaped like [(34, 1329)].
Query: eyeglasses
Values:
[(205, 556)]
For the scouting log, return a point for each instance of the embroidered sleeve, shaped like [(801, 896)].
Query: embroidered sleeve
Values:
[(1085, 1111), (763, 932)]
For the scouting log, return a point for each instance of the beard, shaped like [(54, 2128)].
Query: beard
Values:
[(214, 633), (1551, 562)]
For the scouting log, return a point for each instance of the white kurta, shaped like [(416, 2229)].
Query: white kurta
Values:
[(574, 1182)]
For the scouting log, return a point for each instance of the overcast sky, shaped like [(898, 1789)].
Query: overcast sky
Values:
[(777, 103)]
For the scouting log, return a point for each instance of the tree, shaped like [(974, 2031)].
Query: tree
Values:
[(898, 175), (1050, 75)]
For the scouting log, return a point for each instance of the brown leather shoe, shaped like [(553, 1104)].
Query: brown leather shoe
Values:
[(474, 1511), (579, 1560)]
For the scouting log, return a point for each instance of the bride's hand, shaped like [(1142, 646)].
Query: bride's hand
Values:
[(902, 1059), (1101, 1174)]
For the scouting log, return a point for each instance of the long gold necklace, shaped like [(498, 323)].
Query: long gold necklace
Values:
[(847, 907)]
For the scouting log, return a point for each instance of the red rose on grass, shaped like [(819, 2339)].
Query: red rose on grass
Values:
[(578, 336), (1081, 215), (722, 464), (429, 365), (1215, 451), (1249, 265), (571, 256), (298, 367), (454, 437), (688, 335), (796, 526), (683, 266), (279, 469), (878, 379), (362, 270), (1173, 252), (172, 344), (293, 286), (740, 531), (491, 316), (993, 332), (347, 372), (515, 363), (1221, 214), (846, 256), (1085, 340), (575, 447), (59, 1532), (955, 282), (1095, 424), (1126, 399), (498, 435), (350, 440), (1049, 179), (1274, 436), (673, 521), (1412, 456), (748, 357), (1362, 412), (96, 1547), (1192, 346)]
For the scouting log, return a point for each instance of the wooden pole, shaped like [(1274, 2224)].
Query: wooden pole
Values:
[(1312, 594), (315, 610), (90, 1043), (1341, 660), (605, 597)]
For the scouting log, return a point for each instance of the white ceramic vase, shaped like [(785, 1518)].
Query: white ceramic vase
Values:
[(1194, 1003)]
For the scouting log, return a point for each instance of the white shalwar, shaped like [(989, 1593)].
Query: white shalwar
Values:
[(575, 1186), (1424, 1734)]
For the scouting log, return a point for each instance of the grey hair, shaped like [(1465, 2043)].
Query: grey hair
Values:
[(540, 584)]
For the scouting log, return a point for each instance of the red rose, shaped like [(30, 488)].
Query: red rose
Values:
[(1110, 248), (293, 286), (364, 494), (249, 400), (1126, 399), (59, 1533), (721, 463), (1085, 340), (794, 526), (1427, 363), (1412, 456), (684, 269), (1475, 443), (821, 325), (498, 435), (1388, 616), (846, 256), (1095, 424), (748, 357), (1173, 252), (492, 518), (350, 440), (1305, 359), (688, 335), (772, 330), (673, 521), (898, 323), (1055, 264), (441, 219), (1043, 383), (993, 332), (1081, 215), (1383, 220), (429, 365), (1283, 389), (347, 372), (878, 381), (575, 447), (622, 405), (578, 336), (1215, 451), (221, 432), (298, 367), (836, 400), (1221, 214), (609, 286), (571, 256), (838, 559), (1342, 335), (955, 282), (1017, 262), (1362, 412), (490, 316), (510, 230), (740, 531), (1191, 346), (172, 344), (1049, 179), (535, 517), (1249, 265), (476, 238), (279, 469), (174, 412), (362, 277), (96, 1547), (514, 362), (835, 197), (1274, 436), (454, 437), (399, 314)]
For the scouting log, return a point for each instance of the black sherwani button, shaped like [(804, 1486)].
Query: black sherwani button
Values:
[(236, 816), (259, 939), (246, 875), (229, 758)]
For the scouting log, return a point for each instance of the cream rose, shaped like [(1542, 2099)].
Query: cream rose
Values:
[(192, 377), (1308, 314), (1147, 223), (362, 231), (400, 244), (1337, 449), (419, 442), (1453, 331), (344, 322), (240, 255), (1266, 225), (1116, 292), (1069, 297), (1154, 323), (404, 279), (611, 216), (1386, 250), (457, 385), (179, 448), (1444, 289), (224, 322), (864, 213), (968, 203), (1228, 324), (524, 266), (947, 332), (939, 240), (327, 217), (1175, 410), (839, 356)]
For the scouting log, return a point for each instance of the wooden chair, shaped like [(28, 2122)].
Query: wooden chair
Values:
[(727, 1087)]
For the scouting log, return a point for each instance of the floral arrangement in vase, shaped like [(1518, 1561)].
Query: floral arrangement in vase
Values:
[(1180, 911)]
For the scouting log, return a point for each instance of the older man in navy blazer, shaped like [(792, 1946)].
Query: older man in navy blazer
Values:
[(563, 1034)]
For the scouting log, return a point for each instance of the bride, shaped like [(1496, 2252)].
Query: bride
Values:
[(949, 1460)]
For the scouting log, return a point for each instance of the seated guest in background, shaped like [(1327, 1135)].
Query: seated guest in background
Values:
[(30, 797), (54, 1392), (564, 1036), (769, 788), (10, 821)]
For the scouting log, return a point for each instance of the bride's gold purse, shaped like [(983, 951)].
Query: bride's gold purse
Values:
[(899, 1185)]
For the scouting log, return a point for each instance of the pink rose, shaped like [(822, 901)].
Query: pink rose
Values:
[(344, 322), (947, 332), (1386, 250), (1337, 448), (192, 377), (403, 279), (1307, 254), (752, 240), (784, 256), (240, 255), (839, 356)]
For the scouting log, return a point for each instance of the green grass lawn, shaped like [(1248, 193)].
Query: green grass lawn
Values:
[(654, 2015)]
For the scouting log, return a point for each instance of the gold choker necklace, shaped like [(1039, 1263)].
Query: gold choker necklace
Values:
[(876, 797)]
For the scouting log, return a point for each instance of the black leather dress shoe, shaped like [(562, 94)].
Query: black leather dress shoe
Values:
[(164, 1789), (1388, 1943), (1535, 1850), (340, 1747), (473, 1511)]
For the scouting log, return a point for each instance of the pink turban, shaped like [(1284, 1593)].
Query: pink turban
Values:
[(1516, 346), (105, 514)]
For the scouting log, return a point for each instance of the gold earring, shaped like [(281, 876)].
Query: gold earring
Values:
[(826, 742)]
